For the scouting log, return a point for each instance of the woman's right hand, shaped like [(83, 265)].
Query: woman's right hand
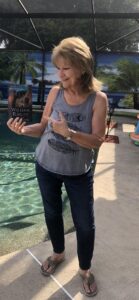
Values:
[(16, 125)]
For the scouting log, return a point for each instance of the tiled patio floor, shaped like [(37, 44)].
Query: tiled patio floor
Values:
[(116, 255)]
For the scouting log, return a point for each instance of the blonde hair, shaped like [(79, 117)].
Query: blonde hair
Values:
[(77, 52)]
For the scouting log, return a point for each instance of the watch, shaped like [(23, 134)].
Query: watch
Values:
[(71, 133)]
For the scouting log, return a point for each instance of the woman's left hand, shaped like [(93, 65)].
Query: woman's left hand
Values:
[(60, 126)]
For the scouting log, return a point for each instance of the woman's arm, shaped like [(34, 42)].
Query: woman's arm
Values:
[(96, 138), (35, 130), (18, 126)]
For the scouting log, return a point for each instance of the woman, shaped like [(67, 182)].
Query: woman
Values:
[(72, 124)]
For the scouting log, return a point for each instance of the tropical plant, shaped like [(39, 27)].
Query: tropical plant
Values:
[(128, 101), (23, 65), (126, 79)]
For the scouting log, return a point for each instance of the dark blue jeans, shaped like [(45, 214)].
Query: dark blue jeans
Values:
[(80, 192)]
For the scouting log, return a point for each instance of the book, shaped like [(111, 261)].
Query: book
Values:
[(20, 102)]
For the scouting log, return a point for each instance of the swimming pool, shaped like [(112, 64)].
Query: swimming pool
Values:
[(21, 211)]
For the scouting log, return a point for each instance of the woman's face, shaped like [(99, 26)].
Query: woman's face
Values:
[(68, 74)]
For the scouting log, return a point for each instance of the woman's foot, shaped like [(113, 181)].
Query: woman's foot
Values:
[(50, 264), (89, 284)]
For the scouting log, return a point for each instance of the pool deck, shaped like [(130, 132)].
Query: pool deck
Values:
[(116, 256)]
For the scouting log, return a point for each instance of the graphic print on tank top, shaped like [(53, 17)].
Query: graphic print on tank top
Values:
[(58, 142)]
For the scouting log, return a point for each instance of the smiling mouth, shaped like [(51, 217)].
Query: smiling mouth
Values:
[(65, 80)]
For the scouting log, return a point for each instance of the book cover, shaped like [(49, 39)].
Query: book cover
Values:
[(20, 102)]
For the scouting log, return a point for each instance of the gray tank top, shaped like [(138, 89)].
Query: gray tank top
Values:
[(54, 152)]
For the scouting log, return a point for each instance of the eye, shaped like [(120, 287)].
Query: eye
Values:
[(65, 69)]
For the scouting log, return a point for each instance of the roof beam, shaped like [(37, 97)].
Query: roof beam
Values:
[(118, 39), (50, 15), (33, 25), (19, 38)]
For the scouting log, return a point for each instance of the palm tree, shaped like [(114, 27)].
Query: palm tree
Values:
[(21, 65), (127, 79)]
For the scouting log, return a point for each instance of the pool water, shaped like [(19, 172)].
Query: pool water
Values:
[(21, 212)]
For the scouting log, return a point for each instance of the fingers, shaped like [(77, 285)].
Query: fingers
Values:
[(59, 126), (51, 121), (21, 129), (10, 122), (16, 125), (62, 116)]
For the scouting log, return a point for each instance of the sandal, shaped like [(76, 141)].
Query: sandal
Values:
[(89, 281), (53, 264)]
